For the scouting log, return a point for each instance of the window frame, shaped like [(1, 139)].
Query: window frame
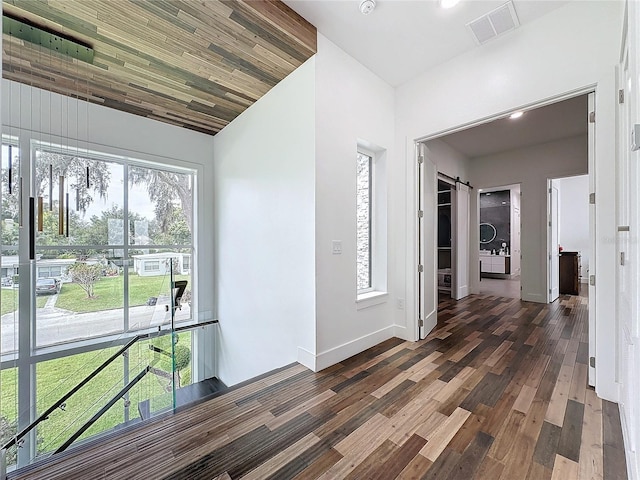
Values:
[(377, 292), (371, 197)]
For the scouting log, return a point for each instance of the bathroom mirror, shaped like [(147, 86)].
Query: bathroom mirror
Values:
[(487, 233)]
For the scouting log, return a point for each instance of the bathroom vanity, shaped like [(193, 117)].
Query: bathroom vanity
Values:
[(500, 264)]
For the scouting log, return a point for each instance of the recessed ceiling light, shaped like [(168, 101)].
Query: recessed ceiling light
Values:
[(516, 115), (448, 3), (367, 6)]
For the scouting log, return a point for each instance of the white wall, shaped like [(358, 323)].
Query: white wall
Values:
[(352, 105), (263, 209), (448, 160), (521, 69), (573, 232), (39, 114), (530, 167)]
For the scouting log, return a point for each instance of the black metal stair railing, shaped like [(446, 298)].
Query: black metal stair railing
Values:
[(61, 402)]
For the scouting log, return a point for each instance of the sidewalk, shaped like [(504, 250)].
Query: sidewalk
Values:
[(55, 325)]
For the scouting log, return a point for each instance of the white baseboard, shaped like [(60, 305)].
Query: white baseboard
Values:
[(306, 358), (463, 292), (403, 333), (337, 354), (534, 297)]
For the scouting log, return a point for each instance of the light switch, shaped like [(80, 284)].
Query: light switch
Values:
[(336, 247)]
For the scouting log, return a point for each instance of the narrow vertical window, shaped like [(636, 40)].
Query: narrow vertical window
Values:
[(364, 209)]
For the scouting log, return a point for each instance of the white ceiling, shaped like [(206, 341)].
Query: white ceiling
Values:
[(545, 124), (401, 39)]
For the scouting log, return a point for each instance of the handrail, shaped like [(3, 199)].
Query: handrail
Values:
[(42, 417), (195, 325), (103, 410), (65, 397)]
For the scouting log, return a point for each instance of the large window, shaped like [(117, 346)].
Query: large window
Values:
[(364, 209), (111, 232)]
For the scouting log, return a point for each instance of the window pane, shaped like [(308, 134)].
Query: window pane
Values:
[(9, 260), (54, 378), (92, 215), (150, 285), (9, 410), (10, 187), (363, 211), (160, 207), (79, 295)]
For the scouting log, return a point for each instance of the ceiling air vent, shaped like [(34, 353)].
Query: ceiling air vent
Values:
[(501, 20)]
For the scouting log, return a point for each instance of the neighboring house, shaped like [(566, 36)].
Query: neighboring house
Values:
[(56, 268), (9, 266), (154, 264)]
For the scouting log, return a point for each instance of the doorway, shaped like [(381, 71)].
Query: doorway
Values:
[(499, 246), (522, 150), (568, 233)]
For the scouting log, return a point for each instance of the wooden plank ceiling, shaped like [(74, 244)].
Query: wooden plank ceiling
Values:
[(193, 63)]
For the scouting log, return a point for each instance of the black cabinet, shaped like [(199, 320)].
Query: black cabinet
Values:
[(569, 273)]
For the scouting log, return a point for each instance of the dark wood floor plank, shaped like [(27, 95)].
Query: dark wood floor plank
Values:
[(547, 446), (316, 468), (571, 435), (399, 460), (443, 467), (472, 457), (613, 448)]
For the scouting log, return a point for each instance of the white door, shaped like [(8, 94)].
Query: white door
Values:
[(591, 131), (554, 256), (461, 239), (627, 262), (427, 231)]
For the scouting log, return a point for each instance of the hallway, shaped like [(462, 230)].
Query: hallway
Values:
[(500, 287)]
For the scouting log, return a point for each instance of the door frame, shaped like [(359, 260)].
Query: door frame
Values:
[(413, 289), (552, 251)]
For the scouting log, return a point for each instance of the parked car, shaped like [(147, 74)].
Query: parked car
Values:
[(7, 281), (47, 285)]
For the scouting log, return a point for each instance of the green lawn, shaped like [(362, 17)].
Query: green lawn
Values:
[(9, 299), (56, 377), (109, 293)]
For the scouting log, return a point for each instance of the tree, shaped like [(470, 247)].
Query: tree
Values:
[(74, 169), (164, 188), (175, 232), (171, 193), (96, 230), (171, 365), (50, 235), (85, 275)]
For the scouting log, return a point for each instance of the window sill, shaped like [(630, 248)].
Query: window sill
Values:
[(370, 299)]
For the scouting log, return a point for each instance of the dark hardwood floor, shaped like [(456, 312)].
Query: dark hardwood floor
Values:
[(497, 391)]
